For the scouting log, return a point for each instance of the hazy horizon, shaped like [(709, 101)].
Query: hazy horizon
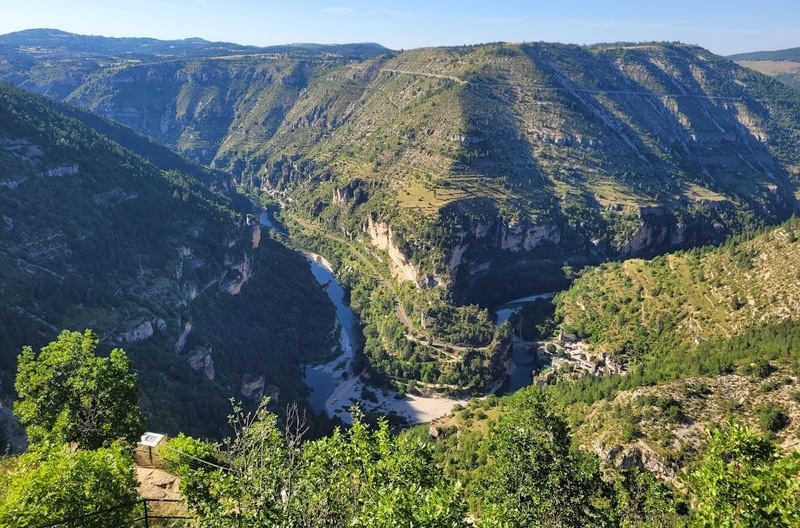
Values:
[(724, 28)]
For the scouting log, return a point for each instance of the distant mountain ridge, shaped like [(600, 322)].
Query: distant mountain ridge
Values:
[(784, 65), (57, 43), (789, 54)]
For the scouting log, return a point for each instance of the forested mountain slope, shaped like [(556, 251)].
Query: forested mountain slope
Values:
[(681, 301), (701, 338), (706, 336), (608, 149), (453, 170), (95, 236), (55, 62)]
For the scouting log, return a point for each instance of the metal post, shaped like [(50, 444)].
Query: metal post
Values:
[(146, 518)]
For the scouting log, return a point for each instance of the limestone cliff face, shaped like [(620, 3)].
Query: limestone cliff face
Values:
[(187, 329), (138, 333), (650, 235), (380, 234), (351, 195), (653, 229), (255, 238), (252, 387), (515, 237), (456, 257), (751, 122), (660, 230), (244, 271), (200, 359), (143, 331), (525, 236)]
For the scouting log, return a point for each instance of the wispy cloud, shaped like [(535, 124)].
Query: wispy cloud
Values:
[(392, 12), (339, 10)]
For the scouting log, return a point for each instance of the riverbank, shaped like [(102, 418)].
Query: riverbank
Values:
[(319, 259), (336, 388), (414, 409)]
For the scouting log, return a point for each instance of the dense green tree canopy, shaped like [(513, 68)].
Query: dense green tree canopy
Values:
[(743, 481), (54, 484), (69, 394), (534, 479), (361, 477)]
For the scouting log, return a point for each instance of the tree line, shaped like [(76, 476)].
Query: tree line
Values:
[(82, 418)]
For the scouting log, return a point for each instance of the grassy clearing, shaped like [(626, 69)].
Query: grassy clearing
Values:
[(695, 192), (769, 67), (431, 197), (609, 193)]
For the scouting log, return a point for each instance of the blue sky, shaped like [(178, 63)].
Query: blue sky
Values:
[(724, 27)]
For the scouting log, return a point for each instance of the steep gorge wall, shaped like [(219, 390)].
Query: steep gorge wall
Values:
[(669, 133)]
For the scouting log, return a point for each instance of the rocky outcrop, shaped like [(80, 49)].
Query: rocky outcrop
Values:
[(61, 170), (316, 118), (143, 331), (350, 195), (650, 235), (657, 228), (456, 257), (200, 359), (184, 253), (380, 235), (750, 122), (525, 236), (244, 270), (190, 292), (545, 377), (138, 333), (252, 388), (187, 329), (11, 183), (273, 393), (633, 455), (431, 281), (179, 270), (439, 432)]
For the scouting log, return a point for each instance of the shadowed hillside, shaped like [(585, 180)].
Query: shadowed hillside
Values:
[(461, 170), (94, 236)]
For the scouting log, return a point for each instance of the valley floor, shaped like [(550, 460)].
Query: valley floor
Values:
[(351, 390), (415, 409)]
